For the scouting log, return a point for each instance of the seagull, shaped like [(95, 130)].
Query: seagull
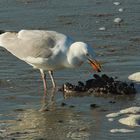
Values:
[(48, 51)]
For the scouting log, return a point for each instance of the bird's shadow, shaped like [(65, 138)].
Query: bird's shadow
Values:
[(49, 101)]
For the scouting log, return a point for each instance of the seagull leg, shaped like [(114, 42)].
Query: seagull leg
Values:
[(43, 75), (53, 81)]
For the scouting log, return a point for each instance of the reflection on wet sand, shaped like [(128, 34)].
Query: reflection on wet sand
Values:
[(52, 122), (49, 103), (58, 124)]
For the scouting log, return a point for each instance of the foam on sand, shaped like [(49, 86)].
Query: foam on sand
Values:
[(111, 119), (112, 115), (135, 77), (130, 110), (132, 120), (121, 130)]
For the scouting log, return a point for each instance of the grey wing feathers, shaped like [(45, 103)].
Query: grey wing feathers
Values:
[(33, 43)]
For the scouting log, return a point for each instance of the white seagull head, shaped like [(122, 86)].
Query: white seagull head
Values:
[(79, 52)]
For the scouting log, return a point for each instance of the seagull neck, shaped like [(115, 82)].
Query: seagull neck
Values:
[(73, 58)]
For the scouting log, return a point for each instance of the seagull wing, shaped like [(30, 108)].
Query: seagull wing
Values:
[(31, 43)]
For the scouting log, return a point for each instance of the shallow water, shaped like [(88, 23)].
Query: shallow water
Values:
[(21, 88)]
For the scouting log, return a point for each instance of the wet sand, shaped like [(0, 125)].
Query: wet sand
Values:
[(75, 118)]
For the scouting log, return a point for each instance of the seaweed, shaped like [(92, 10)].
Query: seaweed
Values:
[(102, 85)]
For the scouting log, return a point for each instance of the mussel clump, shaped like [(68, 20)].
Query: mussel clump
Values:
[(101, 85)]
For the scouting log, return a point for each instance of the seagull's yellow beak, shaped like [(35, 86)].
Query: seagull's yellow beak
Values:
[(95, 65)]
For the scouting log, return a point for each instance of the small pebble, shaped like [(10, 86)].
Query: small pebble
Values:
[(102, 28), (116, 3), (111, 119), (13, 139), (19, 119), (83, 129), (120, 9), (103, 110), (63, 104), (19, 109), (71, 106), (93, 106), (112, 102), (118, 20), (60, 121), (40, 139)]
